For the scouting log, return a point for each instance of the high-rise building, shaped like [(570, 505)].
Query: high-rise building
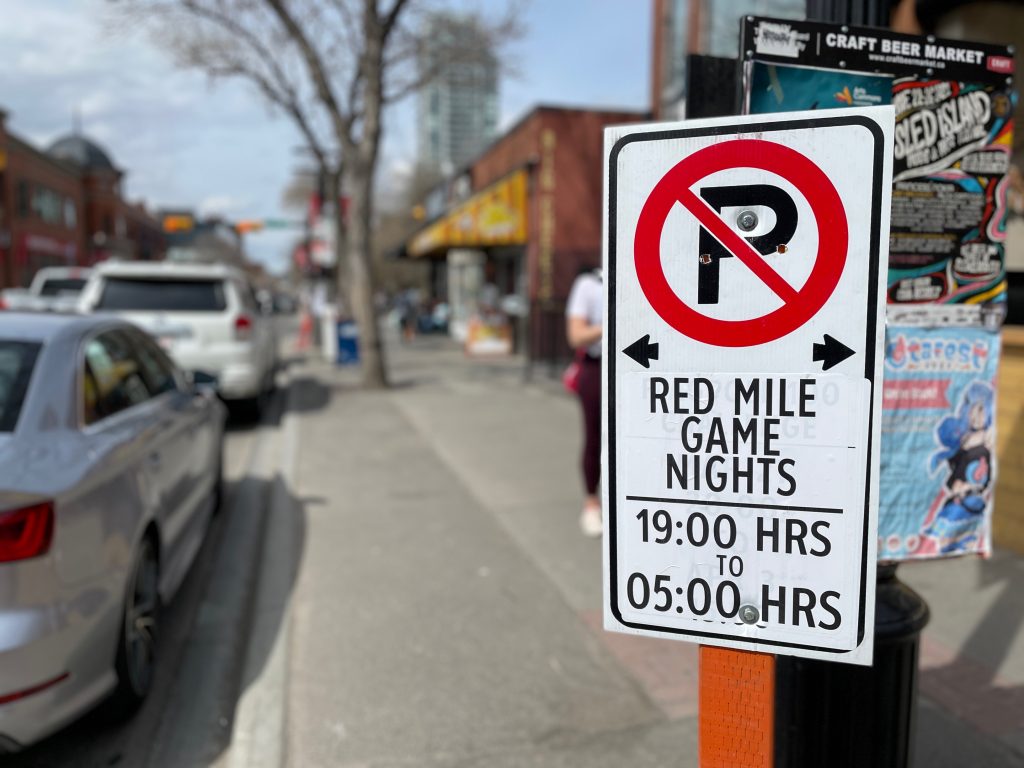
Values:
[(458, 108)]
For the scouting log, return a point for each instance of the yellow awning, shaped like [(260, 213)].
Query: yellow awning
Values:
[(494, 216)]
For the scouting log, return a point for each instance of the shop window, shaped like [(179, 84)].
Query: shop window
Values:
[(70, 213), (47, 205), (21, 199)]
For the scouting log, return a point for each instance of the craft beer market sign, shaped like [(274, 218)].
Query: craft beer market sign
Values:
[(745, 269)]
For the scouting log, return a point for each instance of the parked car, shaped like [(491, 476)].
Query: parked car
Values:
[(205, 315), (110, 467), (53, 289)]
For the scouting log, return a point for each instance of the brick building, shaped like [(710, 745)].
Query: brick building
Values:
[(114, 227), (41, 211), (525, 219), (63, 207)]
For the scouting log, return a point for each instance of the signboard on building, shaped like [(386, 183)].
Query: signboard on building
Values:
[(745, 287), (954, 108), (495, 216)]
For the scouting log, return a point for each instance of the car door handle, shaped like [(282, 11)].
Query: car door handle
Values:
[(154, 460)]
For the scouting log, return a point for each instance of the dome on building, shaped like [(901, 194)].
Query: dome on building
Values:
[(82, 152)]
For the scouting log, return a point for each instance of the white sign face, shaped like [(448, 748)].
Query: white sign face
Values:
[(745, 269)]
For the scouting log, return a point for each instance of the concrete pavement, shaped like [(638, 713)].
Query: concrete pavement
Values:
[(441, 607)]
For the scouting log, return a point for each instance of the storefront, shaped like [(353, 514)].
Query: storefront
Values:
[(33, 252), (513, 248), (478, 248)]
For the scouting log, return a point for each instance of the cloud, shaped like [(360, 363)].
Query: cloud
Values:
[(221, 205), (186, 142), (182, 140)]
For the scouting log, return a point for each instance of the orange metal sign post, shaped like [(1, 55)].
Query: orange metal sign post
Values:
[(736, 724)]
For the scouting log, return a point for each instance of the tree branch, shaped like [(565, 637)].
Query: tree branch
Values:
[(341, 121), (276, 88), (391, 18)]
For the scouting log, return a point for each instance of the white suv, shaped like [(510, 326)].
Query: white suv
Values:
[(53, 289), (204, 315)]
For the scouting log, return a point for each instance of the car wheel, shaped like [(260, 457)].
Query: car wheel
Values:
[(272, 378), (252, 408), (137, 645)]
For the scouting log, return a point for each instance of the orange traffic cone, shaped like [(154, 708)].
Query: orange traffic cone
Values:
[(305, 331)]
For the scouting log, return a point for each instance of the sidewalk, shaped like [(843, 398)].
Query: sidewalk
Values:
[(446, 609)]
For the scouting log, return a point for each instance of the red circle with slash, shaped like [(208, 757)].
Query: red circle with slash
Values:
[(798, 305)]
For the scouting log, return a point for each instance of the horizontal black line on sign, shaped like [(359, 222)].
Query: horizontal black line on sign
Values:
[(743, 505)]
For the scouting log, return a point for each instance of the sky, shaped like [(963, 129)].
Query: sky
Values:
[(215, 146)]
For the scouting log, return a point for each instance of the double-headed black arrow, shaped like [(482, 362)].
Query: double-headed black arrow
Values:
[(831, 352), (643, 351)]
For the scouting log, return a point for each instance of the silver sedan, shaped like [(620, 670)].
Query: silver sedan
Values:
[(110, 466)]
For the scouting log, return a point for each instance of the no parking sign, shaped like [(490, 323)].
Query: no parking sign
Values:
[(745, 276)]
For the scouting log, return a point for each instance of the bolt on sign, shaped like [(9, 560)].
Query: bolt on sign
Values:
[(746, 266)]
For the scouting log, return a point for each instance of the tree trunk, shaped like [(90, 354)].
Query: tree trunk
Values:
[(332, 191), (361, 292), (361, 162)]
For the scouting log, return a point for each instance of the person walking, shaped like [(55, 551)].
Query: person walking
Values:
[(407, 315), (584, 322)]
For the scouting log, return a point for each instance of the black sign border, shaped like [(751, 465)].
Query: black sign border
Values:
[(869, 347)]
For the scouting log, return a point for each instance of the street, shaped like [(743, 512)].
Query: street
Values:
[(392, 384), (382, 590)]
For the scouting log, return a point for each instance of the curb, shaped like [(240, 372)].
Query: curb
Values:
[(258, 734), (211, 664)]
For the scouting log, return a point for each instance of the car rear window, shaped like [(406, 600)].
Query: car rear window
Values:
[(55, 286), (17, 359), (162, 295)]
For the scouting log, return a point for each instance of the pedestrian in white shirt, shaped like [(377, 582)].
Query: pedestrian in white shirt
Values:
[(584, 315)]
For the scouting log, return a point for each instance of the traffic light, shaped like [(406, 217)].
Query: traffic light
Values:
[(178, 223), (248, 225)]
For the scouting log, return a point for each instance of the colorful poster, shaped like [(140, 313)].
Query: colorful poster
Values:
[(938, 442), (947, 277), (954, 104), (951, 157)]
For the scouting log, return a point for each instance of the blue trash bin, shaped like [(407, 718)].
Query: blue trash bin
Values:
[(348, 342)]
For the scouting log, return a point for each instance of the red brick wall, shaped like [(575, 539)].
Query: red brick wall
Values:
[(102, 205)]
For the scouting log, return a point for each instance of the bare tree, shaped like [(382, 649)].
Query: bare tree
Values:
[(331, 66)]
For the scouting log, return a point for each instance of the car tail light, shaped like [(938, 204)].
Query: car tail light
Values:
[(26, 532), (243, 327)]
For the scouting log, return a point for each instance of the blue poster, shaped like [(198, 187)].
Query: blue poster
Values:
[(775, 88), (938, 442)]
